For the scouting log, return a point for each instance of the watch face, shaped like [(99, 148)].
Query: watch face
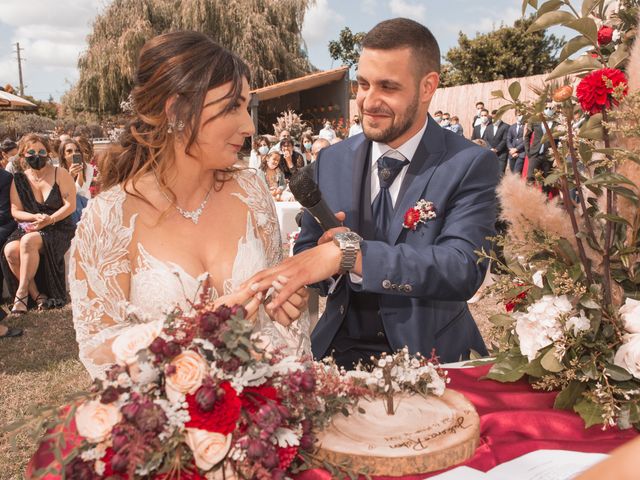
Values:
[(348, 237)]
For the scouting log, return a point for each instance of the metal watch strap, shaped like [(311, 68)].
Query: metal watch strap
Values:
[(349, 256)]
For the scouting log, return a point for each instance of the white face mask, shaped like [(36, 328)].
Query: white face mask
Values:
[(520, 118), (445, 123), (549, 112), (484, 120), (263, 150)]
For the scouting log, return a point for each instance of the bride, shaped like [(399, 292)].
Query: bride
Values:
[(175, 210)]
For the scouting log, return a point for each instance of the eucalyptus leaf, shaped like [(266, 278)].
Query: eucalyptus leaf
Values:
[(584, 63), (550, 362), (510, 369), (501, 320), (586, 26), (590, 412), (588, 302), (574, 45), (588, 6), (550, 6), (514, 90), (592, 128), (616, 373), (618, 57), (550, 19), (497, 94), (567, 398)]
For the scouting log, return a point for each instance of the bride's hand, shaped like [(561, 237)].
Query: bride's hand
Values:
[(292, 308), (248, 298)]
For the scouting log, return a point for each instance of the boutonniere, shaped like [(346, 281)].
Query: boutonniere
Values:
[(422, 212)]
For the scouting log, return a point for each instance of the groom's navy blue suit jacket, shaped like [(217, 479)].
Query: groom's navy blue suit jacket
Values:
[(423, 277)]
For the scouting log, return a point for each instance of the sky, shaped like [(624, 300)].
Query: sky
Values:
[(52, 39)]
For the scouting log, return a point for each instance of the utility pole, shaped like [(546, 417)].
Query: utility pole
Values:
[(20, 68)]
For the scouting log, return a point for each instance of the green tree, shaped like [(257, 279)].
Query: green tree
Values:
[(347, 48), (266, 33), (507, 52)]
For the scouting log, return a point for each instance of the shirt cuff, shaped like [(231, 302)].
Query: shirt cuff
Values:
[(357, 279)]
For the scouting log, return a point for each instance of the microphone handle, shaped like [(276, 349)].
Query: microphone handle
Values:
[(323, 215)]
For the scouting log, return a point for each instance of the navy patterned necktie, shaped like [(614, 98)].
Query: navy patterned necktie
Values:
[(388, 170)]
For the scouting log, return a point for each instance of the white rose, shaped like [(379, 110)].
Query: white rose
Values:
[(579, 324), (630, 313), (209, 448), (532, 335), (537, 278), (138, 337), (187, 378), (628, 355), (94, 420)]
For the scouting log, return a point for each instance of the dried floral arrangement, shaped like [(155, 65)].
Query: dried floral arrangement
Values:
[(572, 265), (292, 122)]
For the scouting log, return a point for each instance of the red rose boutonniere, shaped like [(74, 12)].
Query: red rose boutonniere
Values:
[(422, 212)]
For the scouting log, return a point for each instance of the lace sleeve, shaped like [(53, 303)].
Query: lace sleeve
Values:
[(99, 276), (294, 340)]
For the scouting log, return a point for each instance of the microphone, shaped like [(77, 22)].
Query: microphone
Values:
[(306, 191)]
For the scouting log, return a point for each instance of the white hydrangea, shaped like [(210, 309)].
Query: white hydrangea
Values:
[(579, 324), (539, 325)]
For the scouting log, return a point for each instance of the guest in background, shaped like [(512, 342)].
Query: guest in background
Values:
[(455, 126), (42, 201), (273, 174), (7, 223), (480, 130), (438, 117), (8, 149), (477, 118), (259, 152), (291, 160), (72, 158), (318, 145), (497, 140), (356, 128), (515, 144), (539, 151), (327, 132), (306, 142)]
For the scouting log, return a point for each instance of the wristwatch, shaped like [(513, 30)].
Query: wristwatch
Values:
[(349, 243)]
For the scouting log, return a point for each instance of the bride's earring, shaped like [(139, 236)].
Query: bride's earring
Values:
[(170, 127)]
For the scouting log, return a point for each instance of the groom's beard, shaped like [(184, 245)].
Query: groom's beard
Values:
[(400, 123)]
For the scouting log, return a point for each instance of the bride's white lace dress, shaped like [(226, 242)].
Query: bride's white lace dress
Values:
[(100, 259)]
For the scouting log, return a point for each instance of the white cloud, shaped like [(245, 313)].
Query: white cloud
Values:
[(484, 24), (370, 7), (319, 21), (403, 8)]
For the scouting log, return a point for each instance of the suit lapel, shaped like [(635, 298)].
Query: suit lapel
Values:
[(423, 165), (355, 174)]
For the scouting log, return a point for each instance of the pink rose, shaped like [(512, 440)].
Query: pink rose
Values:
[(127, 345), (188, 372), (94, 420), (209, 448)]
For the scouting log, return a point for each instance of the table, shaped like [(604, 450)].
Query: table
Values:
[(287, 212), (514, 420)]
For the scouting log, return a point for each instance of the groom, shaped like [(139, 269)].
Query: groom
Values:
[(398, 286)]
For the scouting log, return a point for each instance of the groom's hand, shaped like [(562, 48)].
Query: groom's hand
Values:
[(328, 235)]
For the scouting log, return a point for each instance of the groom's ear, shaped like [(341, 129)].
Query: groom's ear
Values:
[(428, 86)]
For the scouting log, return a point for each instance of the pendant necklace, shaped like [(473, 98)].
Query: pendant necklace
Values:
[(193, 215)]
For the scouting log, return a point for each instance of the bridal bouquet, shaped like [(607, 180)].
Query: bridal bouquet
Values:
[(193, 397), (572, 265)]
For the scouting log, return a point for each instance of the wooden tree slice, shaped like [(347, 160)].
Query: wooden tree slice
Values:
[(424, 435)]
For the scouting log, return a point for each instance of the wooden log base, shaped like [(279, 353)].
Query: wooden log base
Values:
[(424, 435)]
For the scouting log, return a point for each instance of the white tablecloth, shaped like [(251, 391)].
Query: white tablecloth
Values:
[(287, 212)]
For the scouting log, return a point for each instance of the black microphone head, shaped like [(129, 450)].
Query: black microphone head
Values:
[(304, 189)]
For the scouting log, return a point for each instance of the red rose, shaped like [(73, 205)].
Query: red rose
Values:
[(287, 455), (222, 418), (411, 218), (605, 34), (593, 92), (511, 304), (253, 398)]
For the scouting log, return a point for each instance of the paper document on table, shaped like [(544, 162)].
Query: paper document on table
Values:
[(538, 465)]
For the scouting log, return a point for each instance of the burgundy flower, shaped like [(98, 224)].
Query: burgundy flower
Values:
[(287, 455), (171, 349), (605, 35), (255, 449), (222, 418), (206, 397), (593, 92), (130, 410), (78, 469), (307, 441), (150, 417), (253, 398), (157, 346), (271, 459), (110, 394)]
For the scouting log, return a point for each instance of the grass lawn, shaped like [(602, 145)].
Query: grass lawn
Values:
[(42, 368)]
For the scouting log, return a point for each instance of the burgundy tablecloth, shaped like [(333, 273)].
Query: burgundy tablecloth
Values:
[(514, 420)]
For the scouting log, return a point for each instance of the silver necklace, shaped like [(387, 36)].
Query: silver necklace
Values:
[(193, 215)]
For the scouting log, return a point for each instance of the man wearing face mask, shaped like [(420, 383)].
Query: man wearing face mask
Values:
[(477, 117), (515, 144), (438, 117), (496, 137), (538, 147), (356, 128), (327, 132), (480, 131)]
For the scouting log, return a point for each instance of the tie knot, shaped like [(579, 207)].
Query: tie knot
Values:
[(388, 170)]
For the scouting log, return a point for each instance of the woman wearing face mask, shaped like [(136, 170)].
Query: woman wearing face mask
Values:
[(72, 158), (306, 142), (259, 153), (42, 200)]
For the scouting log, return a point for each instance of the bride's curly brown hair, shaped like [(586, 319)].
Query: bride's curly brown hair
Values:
[(183, 66)]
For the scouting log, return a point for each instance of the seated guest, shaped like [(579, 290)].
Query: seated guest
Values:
[(455, 126), (306, 143), (273, 174), (259, 152), (72, 158), (291, 160), (43, 197), (8, 149)]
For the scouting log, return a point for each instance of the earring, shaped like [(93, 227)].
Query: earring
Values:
[(180, 126), (170, 127)]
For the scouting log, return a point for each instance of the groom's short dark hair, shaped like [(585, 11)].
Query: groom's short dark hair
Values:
[(401, 33)]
